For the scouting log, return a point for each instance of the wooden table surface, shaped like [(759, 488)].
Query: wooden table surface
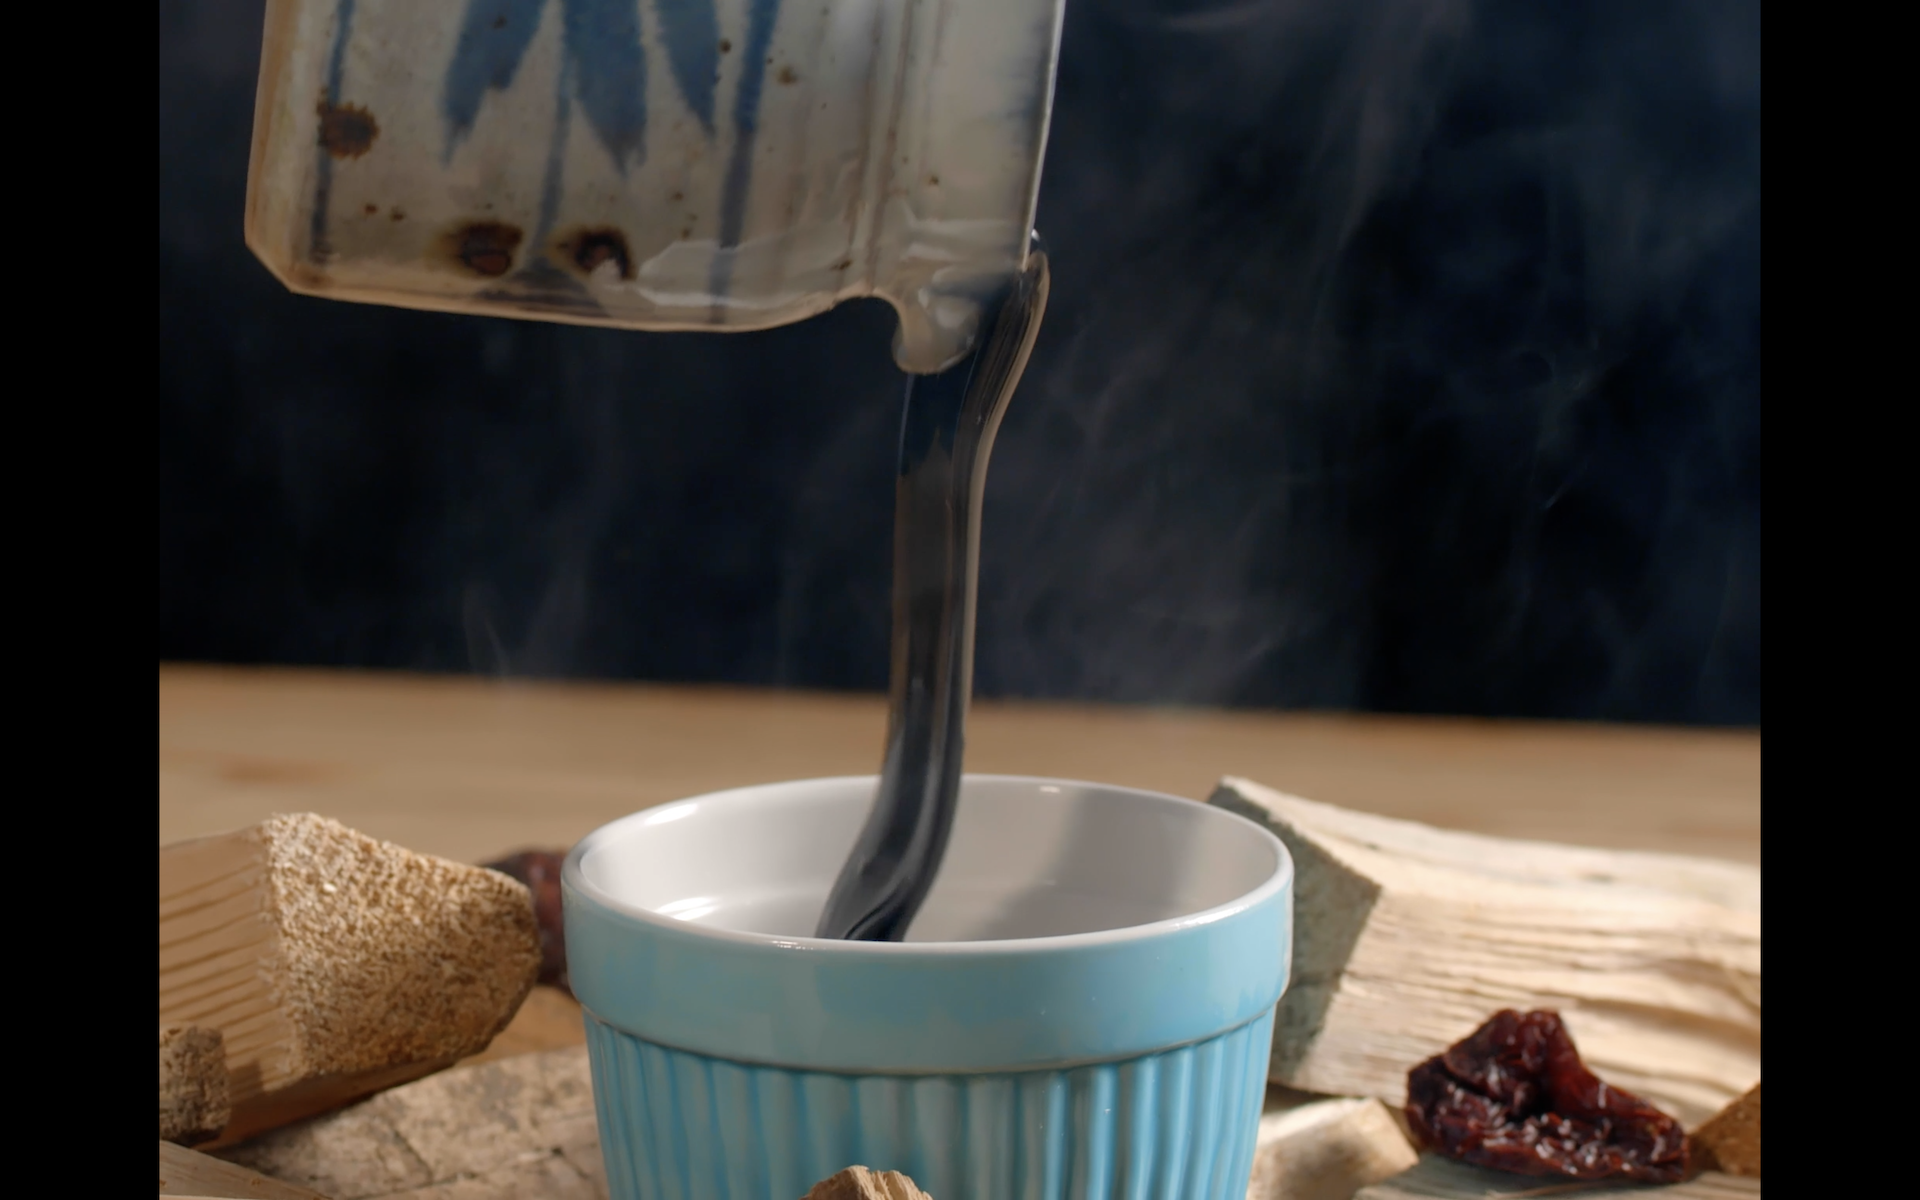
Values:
[(471, 769)]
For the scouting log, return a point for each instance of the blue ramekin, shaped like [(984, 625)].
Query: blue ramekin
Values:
[(1122, 1062)]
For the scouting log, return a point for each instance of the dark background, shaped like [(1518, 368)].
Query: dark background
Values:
[(1402, 356)]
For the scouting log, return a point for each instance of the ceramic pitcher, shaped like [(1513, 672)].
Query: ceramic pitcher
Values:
[(655, 164)]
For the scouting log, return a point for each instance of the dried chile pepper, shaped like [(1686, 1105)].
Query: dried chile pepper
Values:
[(540, 871), (1514, 1096)]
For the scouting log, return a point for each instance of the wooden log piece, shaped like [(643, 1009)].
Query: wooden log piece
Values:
[(193, 1084), (191, 1175), (1730, 1142), (1408, 938), (333, 964)]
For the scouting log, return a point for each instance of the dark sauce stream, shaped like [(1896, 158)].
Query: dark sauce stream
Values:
[(946, 434)]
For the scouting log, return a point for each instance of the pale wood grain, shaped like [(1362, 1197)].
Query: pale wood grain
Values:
[(468, 769), (1408, 938), (513, 1129), (191, 1175), (1326, 1150)]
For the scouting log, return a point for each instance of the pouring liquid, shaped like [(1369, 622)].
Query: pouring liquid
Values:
[(946, 435)]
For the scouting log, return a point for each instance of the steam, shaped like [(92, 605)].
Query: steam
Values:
[(1402, 354), (531, 621), (1202, 373), (1363, 296)]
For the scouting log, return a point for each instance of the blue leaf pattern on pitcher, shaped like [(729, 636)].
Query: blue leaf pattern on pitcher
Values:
[(602, 39), (602, 43), (692, 33), (493, 39), (604, 58)]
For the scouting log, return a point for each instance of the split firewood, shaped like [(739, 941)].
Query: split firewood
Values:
[(549, 1019), (1408, 938), (1730, 1142), (1439, 1179), (189, 1173), (1327, 1150), (502, 1130), (193, 1084), (858, 1183), (333, 964)]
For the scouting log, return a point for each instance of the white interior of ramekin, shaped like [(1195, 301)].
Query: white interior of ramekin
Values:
[(1029, 859)]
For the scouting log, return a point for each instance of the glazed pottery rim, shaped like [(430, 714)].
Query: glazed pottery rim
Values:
[(1278, 882)]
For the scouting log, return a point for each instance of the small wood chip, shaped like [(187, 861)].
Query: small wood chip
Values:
[(193, 1084), (189, 1173), (858, 1183), (1730, 1142), (1327, 1150)]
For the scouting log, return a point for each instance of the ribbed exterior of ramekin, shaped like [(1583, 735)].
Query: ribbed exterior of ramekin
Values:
[(1175, 1125)]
